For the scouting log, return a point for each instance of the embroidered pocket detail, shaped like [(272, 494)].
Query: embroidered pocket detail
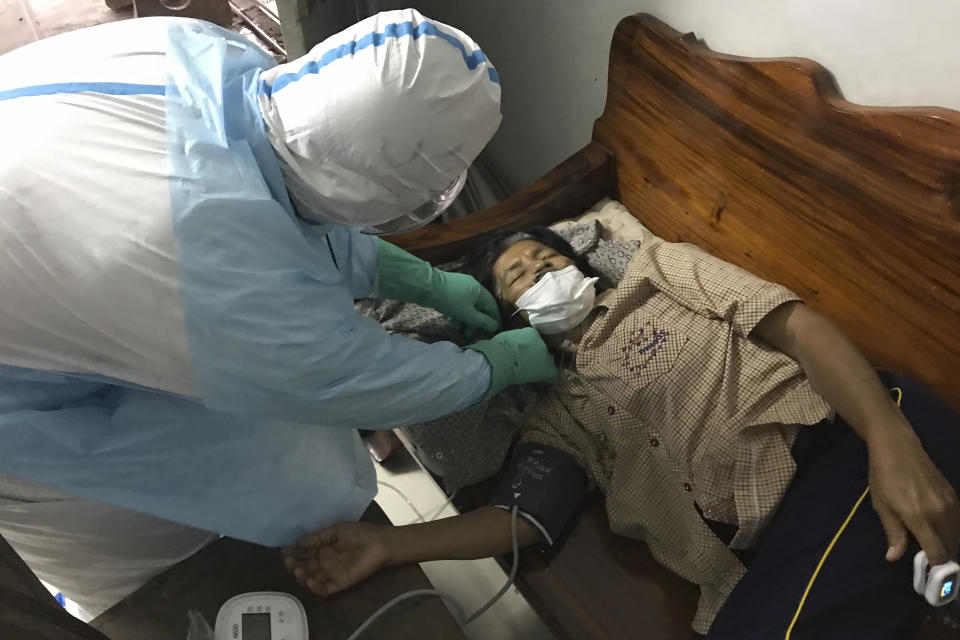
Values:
[(640, 350), (643, 345)]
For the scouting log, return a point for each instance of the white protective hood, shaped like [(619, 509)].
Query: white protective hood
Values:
[(379, 118)]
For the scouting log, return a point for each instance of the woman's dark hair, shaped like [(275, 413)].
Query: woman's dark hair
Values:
[(480, 258)]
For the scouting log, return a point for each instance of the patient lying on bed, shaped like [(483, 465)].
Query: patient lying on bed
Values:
[(728, 426)]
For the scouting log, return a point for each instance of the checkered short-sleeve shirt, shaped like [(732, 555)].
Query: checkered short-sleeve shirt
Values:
[(672, 408)]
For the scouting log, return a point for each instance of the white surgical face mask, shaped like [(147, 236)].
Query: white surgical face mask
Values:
[(560, 301)]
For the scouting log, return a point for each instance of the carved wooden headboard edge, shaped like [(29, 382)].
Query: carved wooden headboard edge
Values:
[(763, 163)]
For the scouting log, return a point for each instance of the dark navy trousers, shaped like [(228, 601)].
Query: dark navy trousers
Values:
[(857, 593)]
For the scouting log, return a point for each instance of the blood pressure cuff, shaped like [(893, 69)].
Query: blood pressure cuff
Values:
[(546, 485)]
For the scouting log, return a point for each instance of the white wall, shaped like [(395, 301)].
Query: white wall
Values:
[(552, 56)]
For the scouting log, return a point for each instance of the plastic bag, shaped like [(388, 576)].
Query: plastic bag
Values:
[(199, 629)]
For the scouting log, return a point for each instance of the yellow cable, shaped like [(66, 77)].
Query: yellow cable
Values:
[(822, 560), (826, 553)]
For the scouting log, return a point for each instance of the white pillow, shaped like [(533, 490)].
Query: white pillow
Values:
[(616, 219)]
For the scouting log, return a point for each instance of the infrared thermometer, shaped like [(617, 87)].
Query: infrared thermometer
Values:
[(937, 584)]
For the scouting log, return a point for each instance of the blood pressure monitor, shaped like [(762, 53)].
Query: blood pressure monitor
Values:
[(261, 615)]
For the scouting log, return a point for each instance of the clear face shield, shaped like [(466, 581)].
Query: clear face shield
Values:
[(423, 214)]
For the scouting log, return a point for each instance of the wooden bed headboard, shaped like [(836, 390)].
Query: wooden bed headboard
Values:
[(764, 164)]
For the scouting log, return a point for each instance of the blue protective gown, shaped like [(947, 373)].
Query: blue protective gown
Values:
[(174, 339)]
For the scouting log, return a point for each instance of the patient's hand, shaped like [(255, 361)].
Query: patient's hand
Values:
[(911, 495), (338, 557)]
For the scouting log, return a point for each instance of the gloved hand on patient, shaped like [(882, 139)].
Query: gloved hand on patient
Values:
[(403, 276), (515, 357)]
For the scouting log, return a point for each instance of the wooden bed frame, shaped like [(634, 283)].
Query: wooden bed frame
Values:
[(764, 164)]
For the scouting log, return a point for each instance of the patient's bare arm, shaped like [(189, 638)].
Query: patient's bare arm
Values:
[(908, 492), (340, 556)]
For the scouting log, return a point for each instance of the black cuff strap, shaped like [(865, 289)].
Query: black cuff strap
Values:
[(546, 485)]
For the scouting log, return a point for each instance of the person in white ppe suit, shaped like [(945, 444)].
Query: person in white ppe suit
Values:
[(184, 226)]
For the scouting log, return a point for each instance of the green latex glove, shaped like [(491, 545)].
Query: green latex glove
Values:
[(402, 276), (516, 357)]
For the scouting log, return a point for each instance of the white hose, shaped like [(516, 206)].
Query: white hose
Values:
[(457, 611)]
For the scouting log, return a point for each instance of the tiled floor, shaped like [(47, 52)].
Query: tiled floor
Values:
[(23, 21), (473, 582)]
